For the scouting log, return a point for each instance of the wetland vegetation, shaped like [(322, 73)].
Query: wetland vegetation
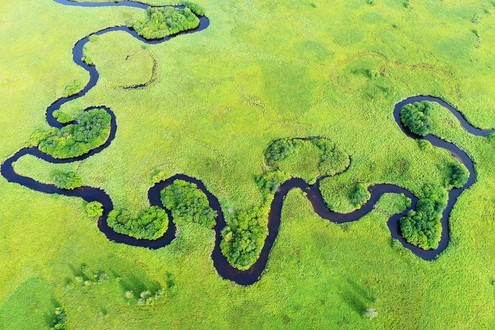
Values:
[(228, 106)]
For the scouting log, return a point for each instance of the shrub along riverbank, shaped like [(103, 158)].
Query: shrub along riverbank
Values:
[(416, 117), (422, 227), (161, 22), (188, 204), (90, 131), (259, 72), (308, 158), (150, 223), (66, 180)]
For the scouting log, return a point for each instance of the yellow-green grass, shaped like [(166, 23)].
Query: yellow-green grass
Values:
[(261, 71)]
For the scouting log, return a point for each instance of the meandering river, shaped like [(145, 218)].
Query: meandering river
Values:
[(221, 264)]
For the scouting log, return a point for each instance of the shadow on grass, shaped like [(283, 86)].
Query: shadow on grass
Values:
[(138, 285), (360, 290), (49, 315), (356, 296)]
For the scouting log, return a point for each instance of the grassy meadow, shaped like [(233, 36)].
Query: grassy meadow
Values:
[(214, 102)]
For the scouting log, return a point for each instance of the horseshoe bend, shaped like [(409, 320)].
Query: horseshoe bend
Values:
[(309, 162)]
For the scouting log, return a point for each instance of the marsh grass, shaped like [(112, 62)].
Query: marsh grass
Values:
[(260, 72)]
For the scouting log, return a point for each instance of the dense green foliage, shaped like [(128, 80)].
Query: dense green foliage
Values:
[(333, 159), (359, 194), (150, 223), (457, 175), (73, 88), (195, 8), (390, 204), (66, 180), (162, 22), (279, 150), (40, 135), (89, 132), (188, 204), (63, 117), (157, 175), (416, 117), (329, 158), (422, 227), (146, 297), (269, 182), (244, 237), (424, 145), (94, 209), (59, 320), (343, 197)]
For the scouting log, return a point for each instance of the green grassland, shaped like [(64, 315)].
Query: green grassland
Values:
[(214, 102)]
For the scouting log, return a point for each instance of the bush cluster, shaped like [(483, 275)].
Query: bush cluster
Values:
[(72, 88), (63, 117), (162, 22), (416, 117), (424, 144), (157, 175), (94, 209), (66, 180), (279, 150), (87, 278), (188, 204), (359, 195), (332, 159), (146, 297), (40, 135), (59, 320), (88, 60), (457, 175), (151, 223), (422, 227), (270, 181), (90, 131), (244, 237), (195, 8)]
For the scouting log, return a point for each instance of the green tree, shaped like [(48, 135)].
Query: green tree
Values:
[(422, 227), (72, 88), (188, 204), (359, 194), (94, 209), (416, 117), (66, 180), (278, 150), (457, 175), (151, 223), (162, 22), (91, 131), (244, 237), (270, 181), (195, 8)]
